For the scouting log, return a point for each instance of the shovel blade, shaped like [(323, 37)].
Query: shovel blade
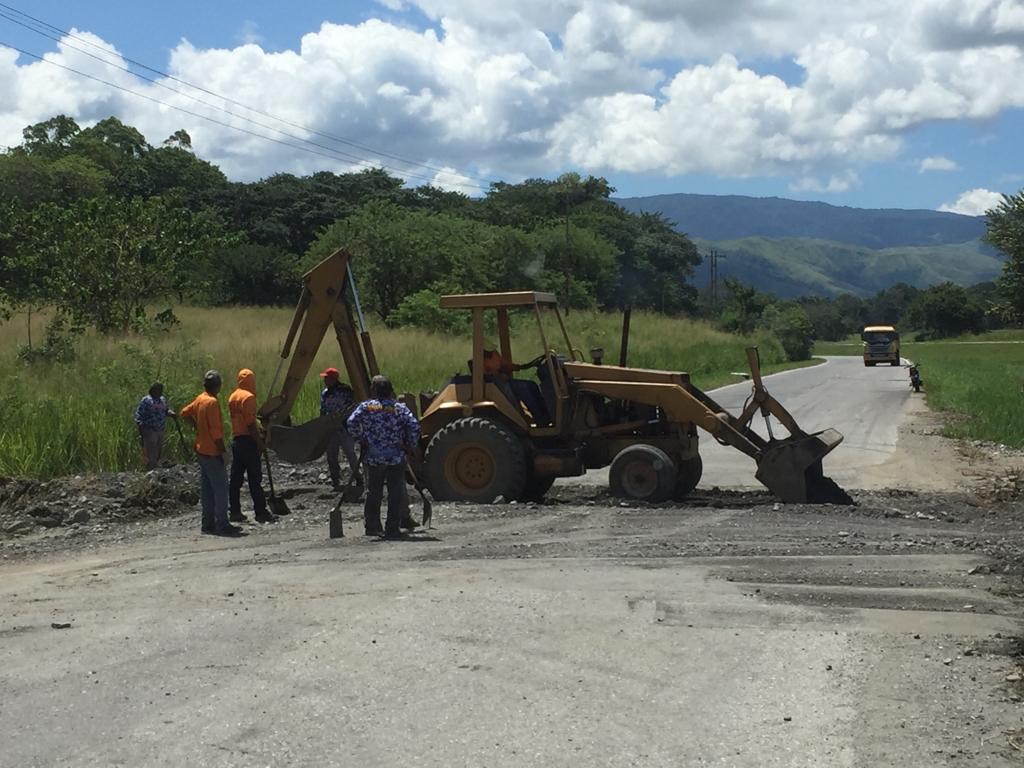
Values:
[(791, 468), (278, 506), (306, 442)]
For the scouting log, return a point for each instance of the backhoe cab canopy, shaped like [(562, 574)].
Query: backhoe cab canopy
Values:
[(501, 303)]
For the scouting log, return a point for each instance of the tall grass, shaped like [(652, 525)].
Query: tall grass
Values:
[(980, 381), (64, 418)]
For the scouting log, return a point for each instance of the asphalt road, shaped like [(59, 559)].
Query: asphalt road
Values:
[(563, 635), (866, 404)]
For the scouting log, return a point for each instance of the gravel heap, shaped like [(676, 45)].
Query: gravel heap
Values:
[(28, 505)]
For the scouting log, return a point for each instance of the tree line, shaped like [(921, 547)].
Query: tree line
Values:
[(100, 224), (103, 226)]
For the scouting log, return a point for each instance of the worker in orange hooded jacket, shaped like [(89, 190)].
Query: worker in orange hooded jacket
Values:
[(246, 447)]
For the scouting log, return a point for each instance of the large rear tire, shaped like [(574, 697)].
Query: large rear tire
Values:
[(642, 473), (475, 459), (688, 475)]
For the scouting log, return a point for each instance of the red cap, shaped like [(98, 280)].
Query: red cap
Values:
[(329, 372)]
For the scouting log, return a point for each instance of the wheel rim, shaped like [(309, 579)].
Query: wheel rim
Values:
[(639, 479), (470, 467)]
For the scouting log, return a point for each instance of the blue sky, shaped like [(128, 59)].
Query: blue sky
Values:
[(911, 105)]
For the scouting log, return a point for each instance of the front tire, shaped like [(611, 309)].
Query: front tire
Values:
[(642, 473), (475, 459)]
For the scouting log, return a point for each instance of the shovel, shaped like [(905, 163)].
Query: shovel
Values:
[(181, 436), (276, 503), (349, 494), (352, 493), (428, 507)]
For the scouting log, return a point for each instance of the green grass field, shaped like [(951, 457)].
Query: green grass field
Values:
[(976, 379), (58, 419)]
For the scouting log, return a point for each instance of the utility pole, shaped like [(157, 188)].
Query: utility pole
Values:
[(713, 257)]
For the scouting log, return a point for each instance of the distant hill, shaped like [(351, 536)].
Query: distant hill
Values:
[(791, 267), (730, 217), (793, 248)]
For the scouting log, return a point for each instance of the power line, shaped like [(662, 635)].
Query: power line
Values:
[(341, 155), (339, 139), (194, 114)]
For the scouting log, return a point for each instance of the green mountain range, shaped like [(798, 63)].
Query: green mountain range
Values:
[(793, 248)]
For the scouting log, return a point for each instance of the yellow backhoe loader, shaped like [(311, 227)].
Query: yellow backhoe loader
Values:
[(481, 443)]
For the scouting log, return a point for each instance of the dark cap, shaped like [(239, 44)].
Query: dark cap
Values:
[(211, 375)]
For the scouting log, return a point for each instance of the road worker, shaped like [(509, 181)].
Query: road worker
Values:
[(246, 447), (337, 397), (204, 414), (389, 432), (150, 417), (523, 390)]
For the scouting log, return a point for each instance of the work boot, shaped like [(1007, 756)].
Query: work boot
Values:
[(266, 517), (237, 517), (409, 523), (227, 530), (395, 535), (370, 531)]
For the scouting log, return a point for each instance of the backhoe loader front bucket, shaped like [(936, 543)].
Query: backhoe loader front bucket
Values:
[(306, 442), (791, 469)]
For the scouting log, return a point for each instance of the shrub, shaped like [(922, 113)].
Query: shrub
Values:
[(790, 324)]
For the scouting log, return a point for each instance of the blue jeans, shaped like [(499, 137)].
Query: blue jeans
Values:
[(213, 491), (529, 394)]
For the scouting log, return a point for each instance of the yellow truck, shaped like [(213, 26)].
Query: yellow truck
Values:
[(881, 344)]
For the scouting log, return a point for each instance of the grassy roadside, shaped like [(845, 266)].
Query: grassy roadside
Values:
[(65, 418), (975, 379)]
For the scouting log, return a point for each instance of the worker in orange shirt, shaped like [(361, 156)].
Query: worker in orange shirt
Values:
[(204, 414), (500, 371), (246, 447)]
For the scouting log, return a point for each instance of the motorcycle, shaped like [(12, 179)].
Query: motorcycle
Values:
[(915, 378)]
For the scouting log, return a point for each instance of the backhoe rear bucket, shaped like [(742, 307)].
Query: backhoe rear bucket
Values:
[(306, 442), (791, 469)]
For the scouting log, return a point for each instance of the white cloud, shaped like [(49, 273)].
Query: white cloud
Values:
[(937, 163), (973, 202), (532, 86), (250, 33), (837, 184)]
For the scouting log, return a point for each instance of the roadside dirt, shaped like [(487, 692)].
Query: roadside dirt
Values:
[(925, 460)]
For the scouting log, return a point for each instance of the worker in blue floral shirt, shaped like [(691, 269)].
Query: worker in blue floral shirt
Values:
[(388, 432), (337, 397), (150, 417)]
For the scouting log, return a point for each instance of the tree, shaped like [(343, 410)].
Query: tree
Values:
[(945, 310), (24, 274), (744, 306), (1005, 230), (826, 322), (889, 307), (399, 252), (788, 322), (50, 138), (108, 258), (32, 179), (253, 275)]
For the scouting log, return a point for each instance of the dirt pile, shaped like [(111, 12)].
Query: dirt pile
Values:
[(1007, 485), (94, 500)]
